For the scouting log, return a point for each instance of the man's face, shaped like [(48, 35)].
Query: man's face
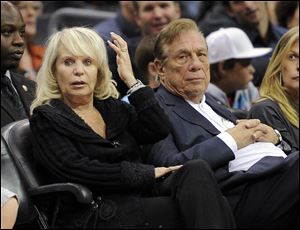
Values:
[(153, 16), (30, 10), (185, 71), (12, 38), (239, 76), (247, 12)]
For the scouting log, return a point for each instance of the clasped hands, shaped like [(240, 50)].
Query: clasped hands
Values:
[(249, 131)]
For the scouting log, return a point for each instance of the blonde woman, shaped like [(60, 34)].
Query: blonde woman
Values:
[(279, 103), (82, 133)]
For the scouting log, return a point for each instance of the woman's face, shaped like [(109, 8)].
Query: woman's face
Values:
[(76, 77), (290, 70), (30, 10)]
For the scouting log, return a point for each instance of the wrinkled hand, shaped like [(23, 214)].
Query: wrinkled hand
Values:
[(245, 132), (249, 131), (161, 171), (265, 133), (123, 59)]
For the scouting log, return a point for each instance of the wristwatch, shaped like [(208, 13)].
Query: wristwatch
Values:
[(278, 136)]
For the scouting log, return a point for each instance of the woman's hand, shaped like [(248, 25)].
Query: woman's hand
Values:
[(161, 171), (123, 59)]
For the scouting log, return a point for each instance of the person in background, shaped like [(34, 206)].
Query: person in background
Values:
[(151, 17), (123, 24), (230, 52), (252, 17), (33, 53), (279, 103), (95, 139), (17, 92), (287, 13), (144, 60), (9, 208), (252, 172)]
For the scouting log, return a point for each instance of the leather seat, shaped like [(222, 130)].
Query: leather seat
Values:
[(17, 143), (10, 179)]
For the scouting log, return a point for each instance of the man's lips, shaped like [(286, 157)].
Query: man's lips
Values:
[(17, 54), (159, 26), (195, 79)]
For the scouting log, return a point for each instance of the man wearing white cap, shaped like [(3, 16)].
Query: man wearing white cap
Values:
[(230, 54), (254, 174)]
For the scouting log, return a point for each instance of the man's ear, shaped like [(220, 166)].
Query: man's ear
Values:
[(159, 67), (229, 11), (221, 69), (138, 20), (152, 69), (177, 10), (160, 70)]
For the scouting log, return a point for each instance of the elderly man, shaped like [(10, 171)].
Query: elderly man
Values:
[(17, 92), (259, 180)]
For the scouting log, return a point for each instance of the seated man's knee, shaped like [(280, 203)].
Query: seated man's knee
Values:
[(198, 167)]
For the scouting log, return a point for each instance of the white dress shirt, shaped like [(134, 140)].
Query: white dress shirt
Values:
[(244, 157)]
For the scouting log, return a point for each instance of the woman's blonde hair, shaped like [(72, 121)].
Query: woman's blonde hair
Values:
[(271, 86), (79, 41)]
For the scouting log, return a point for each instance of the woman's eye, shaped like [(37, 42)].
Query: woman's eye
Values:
[(292, 57), (68, 62), (88, 62)]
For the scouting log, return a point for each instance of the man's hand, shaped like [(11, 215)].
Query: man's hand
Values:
[(245, 132), (249, 131)]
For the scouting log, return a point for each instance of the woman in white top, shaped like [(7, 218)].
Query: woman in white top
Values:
[(9, 208)]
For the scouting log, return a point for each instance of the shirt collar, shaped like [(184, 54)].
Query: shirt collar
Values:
[(202, 102), (7, 74)]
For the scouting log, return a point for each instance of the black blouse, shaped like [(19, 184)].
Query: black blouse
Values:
[(269, 113), (70, 151)]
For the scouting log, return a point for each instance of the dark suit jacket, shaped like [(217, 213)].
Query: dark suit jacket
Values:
[(26, 91), (192, 136), (269, 113)]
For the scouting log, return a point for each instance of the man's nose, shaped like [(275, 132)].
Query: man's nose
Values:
[(196, 63), (158, 12), (18, 39)]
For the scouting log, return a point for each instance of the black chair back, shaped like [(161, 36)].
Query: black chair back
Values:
[(11, 179), (45, 195), (18, 138)]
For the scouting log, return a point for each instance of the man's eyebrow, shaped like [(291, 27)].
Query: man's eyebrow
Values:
[(184, 50)]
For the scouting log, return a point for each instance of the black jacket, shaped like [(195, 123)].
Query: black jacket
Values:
[(269, 112), (71, 151), (26, 91)]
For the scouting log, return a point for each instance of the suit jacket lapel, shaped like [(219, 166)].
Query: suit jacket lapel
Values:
[(186, 112), (25, 91), (220, 109), (6, 106)]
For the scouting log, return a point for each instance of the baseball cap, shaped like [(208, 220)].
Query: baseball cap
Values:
[(232, 42)]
